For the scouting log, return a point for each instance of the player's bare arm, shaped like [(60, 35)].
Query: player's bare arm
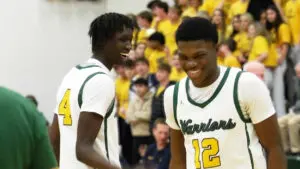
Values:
[(178, 154), (268, 134), (55, 137), (88, 128)]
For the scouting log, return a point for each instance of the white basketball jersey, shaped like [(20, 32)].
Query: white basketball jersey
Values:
[(216, 133), (69, 99)]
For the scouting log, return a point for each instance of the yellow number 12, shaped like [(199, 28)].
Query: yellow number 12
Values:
[(209, 154), (64, 108)]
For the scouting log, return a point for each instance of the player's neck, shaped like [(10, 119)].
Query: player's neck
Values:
[(103, 60), (211, 78)]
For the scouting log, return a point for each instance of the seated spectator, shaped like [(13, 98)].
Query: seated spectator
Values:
[(256, 68), (177, 72), (138, 116), (162, 76), (158, 155), (290, 123), (228, 54)]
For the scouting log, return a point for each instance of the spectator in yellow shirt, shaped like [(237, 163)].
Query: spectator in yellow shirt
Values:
[(238, 8), (235, 27), (292, 13), (219, 20), (183, 4), (227, 49), (177, 72), (144, 20), (169, 29), (259, 45), (281, 39), (242, 39), (156, 43), (192, 10), (160, 10)]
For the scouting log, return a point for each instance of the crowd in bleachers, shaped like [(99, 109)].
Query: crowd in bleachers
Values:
[(271, 38)]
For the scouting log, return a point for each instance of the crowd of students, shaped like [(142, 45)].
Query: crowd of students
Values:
[(273, 40)]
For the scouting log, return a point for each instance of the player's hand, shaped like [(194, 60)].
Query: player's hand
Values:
[(142, 150)]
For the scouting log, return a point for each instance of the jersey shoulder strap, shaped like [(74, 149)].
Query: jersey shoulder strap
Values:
[(236, 98), (175, 102)]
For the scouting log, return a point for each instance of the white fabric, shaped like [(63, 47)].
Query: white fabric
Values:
[(255, 102), (98, 93)]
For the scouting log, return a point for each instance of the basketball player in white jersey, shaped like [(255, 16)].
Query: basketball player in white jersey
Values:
[(84, 132), (220, 117)]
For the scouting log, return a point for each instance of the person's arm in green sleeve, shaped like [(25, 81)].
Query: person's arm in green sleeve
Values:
[(43, 155)]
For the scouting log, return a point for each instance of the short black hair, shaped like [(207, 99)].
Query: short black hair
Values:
[(152, 3), (146, 15), (232, 45), (196, 28), (157, 36), (142, 60), (165, 67), (105, 26), (162, 5), (141, 81)]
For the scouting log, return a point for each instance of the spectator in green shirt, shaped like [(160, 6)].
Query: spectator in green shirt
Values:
[(24, 141)]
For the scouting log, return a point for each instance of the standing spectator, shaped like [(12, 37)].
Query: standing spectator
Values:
[(281, 39), (138, 116), (259, 45), (228, 54), (292, 13), (177, 72), (160, 10), (235, 27), (256, 68), (24, 136), (144, 20), (155, 52), (158, 155), (192, 9), (219, 19), (290, 123), (238, 8), (170, 29), (162, 76)]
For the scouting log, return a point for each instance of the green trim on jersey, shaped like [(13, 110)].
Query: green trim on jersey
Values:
[(82, 86), (248, 144), (175, 102), (220, 86), (109, 112), (236, 98), (85, 67)]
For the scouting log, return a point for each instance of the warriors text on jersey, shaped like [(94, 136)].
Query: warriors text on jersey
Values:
[(217, 121), (87, 88)]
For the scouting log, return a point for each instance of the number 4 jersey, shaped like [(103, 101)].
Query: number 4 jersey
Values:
[(87, 88), (217, 133)]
